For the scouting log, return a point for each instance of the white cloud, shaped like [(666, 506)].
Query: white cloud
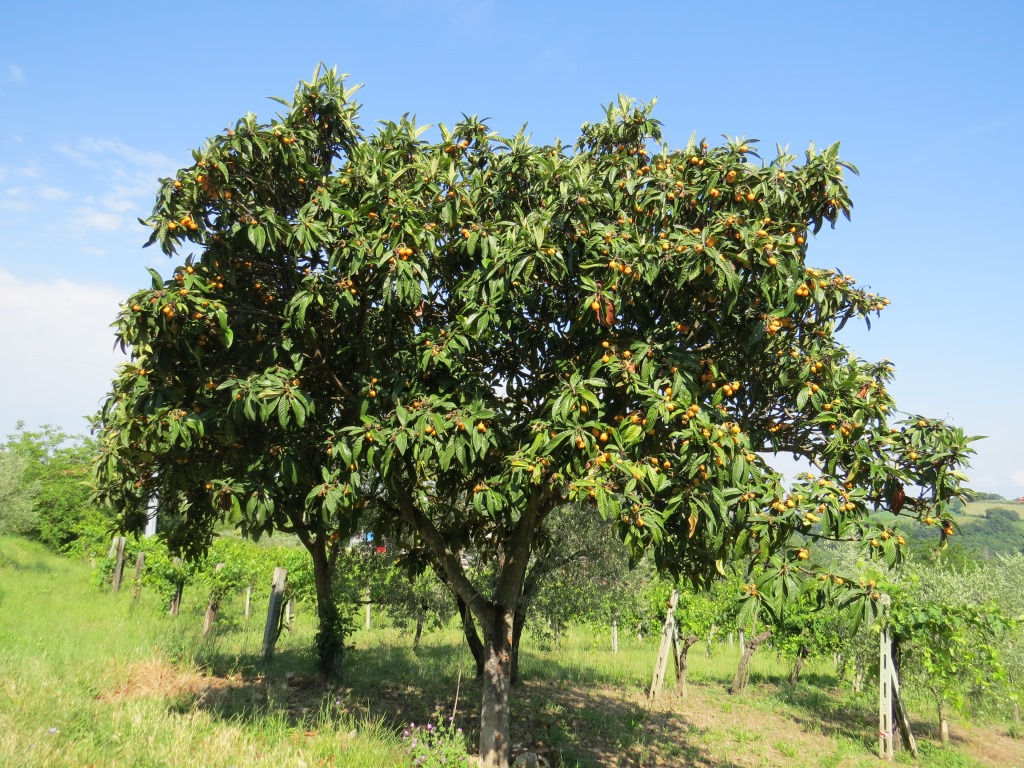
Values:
[(53, 194), (129, 182), (88, 218), (117, 157), (58, 349), (15, 74), (18, 206)]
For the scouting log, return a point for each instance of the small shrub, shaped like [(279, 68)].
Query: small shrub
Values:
[(430, 745)]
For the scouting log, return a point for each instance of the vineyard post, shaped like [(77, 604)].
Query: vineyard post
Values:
[(118, 548), (213, 605), (615, 635), (668, 631), (248, 601), (902, 716), (273, 627), (885, 678), (176, 600), (140, 563)]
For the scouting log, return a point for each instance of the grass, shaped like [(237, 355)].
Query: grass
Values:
[(90, 678)]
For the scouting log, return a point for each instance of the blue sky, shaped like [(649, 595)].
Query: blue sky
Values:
[(99, 100)]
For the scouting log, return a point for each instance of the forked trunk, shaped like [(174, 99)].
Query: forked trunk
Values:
[(682, 663), (497, 684), (740, 681)]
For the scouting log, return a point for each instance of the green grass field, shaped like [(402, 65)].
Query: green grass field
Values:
[(91, 678), (976, 509)]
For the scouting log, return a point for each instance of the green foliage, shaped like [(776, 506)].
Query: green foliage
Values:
[(53, 504), (17, 514), (459, 337), (954, 630), (1001, 513)]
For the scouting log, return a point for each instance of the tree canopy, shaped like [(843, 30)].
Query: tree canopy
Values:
[(458, 336)]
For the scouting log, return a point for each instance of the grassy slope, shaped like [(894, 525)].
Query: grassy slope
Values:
[(88, 678)]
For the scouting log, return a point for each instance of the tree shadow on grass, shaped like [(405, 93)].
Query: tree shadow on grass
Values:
[(820, 709), (573, 724)]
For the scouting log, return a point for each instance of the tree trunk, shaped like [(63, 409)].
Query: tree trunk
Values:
[(943, 722), (740, 681), (421, 617), (798, 665), (330, 640), (472, 638), (497, 683), (682, 664)]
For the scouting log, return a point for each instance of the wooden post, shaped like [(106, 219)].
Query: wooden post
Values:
[(366, 600), (615, 635), (115, 582), (273, 628), (668, 631), (885, 678), (176, 600), (248, 601), (743, 642), (902, 716), (140, 563), (213, 605)]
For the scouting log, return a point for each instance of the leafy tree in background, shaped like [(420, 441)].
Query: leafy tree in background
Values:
[(17, 516), (464, 335), (56, 469)]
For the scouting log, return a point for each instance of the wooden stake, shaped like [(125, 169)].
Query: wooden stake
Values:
[(885, 678), (176, 600), (140, 563), (273, 628), (902, 716), (213, 605), (115, 582), (668, 631)]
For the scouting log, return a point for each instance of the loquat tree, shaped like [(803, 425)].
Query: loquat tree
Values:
[(465, 334)]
